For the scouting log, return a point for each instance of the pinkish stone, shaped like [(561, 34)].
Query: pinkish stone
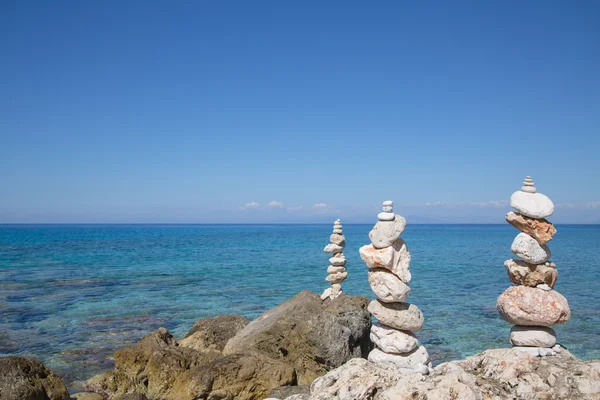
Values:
[(523, 305)]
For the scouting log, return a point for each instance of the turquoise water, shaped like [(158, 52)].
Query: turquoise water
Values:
[(70, 295)]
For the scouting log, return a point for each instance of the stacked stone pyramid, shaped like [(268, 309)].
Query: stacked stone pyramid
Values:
[(532, 306), (337, 268), (388, 260)]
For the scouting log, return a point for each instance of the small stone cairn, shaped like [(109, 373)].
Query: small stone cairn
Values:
[(337, 270), (388, 260), (532, 306)]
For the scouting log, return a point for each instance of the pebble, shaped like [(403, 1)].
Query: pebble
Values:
[(528, 249), (536, 336), (333, 269), (333, 248), (338, 260), (385, 216), (402, 316), (387, 286), (337, 278)]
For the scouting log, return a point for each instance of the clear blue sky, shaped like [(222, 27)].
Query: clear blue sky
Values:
[(207, 111)]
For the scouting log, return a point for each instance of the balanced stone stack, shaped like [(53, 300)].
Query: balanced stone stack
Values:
[(337, 268), (532, 306), (388, 260)]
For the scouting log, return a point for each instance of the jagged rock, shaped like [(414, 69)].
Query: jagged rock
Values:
[(523, 305), (492, 375), (395, 258), (403, 316), (387, 286), (536, 336), (393, 341), (522, 273), (528, 249), (385, 232), (210, 334), (24, 378), (246, 376), (309, 334), (540, 229)]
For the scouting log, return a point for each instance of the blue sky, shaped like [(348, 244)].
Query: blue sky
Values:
[(210, 111)]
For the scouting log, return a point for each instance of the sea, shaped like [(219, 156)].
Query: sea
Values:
[(70, 295)]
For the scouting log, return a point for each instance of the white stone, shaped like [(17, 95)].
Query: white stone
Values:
[(333, 248), (326, 293), (339, 239), (333, 269), (532, 351), (385, 216), (393, 341), (387, 286), (546, 352), (336, 278), (402, 316), (388, 203), (388, 209), (528, 185), (528, 249), (532, 336), (543, 286), (534, 205), (395, 258), (336, 290), (421, 369), (408, 360), (384, 233), (557, 349), (338, 260)]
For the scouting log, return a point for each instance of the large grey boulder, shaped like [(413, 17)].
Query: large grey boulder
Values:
[(24, 378), (312, 335)]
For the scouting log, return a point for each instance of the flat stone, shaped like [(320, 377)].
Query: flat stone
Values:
[(385, 216), (338, 239), (333, 269), (337, 231), (533, 336), (524, 305), (539, 229), (337, 278), (534, 205), (333, 248), (532, 351), (528, 249), (338, 260), (387, 286), (384, 233), (402, 316), (419, 356), (389, 203), (395, 258), (393, 341), (522, 273)]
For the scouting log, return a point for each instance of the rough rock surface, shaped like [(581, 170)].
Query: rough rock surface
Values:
[(392, 340), (284, 392), (499, 374), (538, 336), (534, 205), (528, 249), (384, 233), (211, 334), (540, 229), (24, 378), (403, 316), (387, 286), (523, 305), (312, 335), (522, 273), (395, 258)]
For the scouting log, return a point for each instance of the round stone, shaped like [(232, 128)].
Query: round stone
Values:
[(333, 248), (534, 205), (393, 341), (402, 316), (338, 260), (337, 277), (388, 203), (409, 360), (533, 336), (385, 216), (338, 239), (332, 269), (524, 305), (528, 249), (387, 286)]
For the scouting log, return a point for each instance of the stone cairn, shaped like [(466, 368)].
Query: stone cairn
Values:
[(388, 260), (337, 268), (532, 306)]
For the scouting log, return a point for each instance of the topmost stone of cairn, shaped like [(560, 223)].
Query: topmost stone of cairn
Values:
[(388, 211), (530, 203)]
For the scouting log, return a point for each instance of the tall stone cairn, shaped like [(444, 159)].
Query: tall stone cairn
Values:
[(388, 260), (532, 306), (337, 268)]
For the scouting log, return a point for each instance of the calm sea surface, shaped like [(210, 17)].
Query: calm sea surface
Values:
[(70, 295)]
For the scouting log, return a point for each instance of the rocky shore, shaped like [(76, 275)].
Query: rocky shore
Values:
[(304, 349)]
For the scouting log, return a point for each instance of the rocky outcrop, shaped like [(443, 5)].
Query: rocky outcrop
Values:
[(311, 335), (493, 374), (227, 358), (24, 378)]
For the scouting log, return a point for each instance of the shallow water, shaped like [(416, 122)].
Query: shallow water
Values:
[(70, 295)]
